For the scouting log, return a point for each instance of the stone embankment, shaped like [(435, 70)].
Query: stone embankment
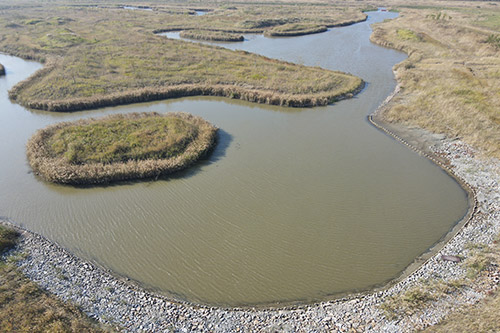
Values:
[(121, 303)]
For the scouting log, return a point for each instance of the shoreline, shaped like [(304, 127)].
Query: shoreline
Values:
[(118, 301), (178, 91)]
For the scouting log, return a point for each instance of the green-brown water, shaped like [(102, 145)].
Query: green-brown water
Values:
[(293, 205)]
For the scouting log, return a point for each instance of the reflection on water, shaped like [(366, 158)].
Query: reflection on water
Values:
[(293, 205)]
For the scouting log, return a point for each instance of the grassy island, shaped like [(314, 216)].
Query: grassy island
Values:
[(119, 147), (295, 29), (216, 36), (2, 70)]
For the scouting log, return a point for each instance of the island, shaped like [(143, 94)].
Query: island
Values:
[(119, 147)]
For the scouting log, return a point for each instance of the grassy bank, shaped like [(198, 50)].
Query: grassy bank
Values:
[(119, 147), (217, 36), (26, 308), (295, 29), (107, 55), (450, 82)]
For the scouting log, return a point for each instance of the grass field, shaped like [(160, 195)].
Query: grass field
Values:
[(451, 80), (24, 307), (119, 147), (107, 55)]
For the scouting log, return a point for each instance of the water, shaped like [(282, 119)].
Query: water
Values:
[(293, 205), (137, 8)]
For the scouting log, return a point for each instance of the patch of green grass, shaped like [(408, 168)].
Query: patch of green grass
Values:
[(407, 34), (120, 140), (494, 40), (488, 19), (60, 39)]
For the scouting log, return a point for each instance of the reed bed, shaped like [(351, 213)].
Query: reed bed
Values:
[(217, 36), (295, 29), (119, 147), (235, 92)]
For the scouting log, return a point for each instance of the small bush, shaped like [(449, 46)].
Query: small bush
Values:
[(8, 238), (494, 40)]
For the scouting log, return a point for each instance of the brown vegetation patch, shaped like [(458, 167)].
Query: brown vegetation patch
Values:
[(24, 307), (295, 29), (216, 36), (2, 70), (450, 81), (119, 147)]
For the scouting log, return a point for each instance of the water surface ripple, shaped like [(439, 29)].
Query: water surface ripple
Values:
[(293, 205)]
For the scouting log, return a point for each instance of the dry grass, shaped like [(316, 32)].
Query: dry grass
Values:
[(119, 147), (24, 307), (295, 29), (260, 17), (417, 297), (106, 56), (484, 317), (218, 36), (451, 80)]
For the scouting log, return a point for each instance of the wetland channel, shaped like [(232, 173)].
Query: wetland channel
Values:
[(294, 205)]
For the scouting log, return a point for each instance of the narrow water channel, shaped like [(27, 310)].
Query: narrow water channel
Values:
[(293, 205)]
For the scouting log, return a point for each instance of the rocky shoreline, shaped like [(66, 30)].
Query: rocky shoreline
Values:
[(123, 304)]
